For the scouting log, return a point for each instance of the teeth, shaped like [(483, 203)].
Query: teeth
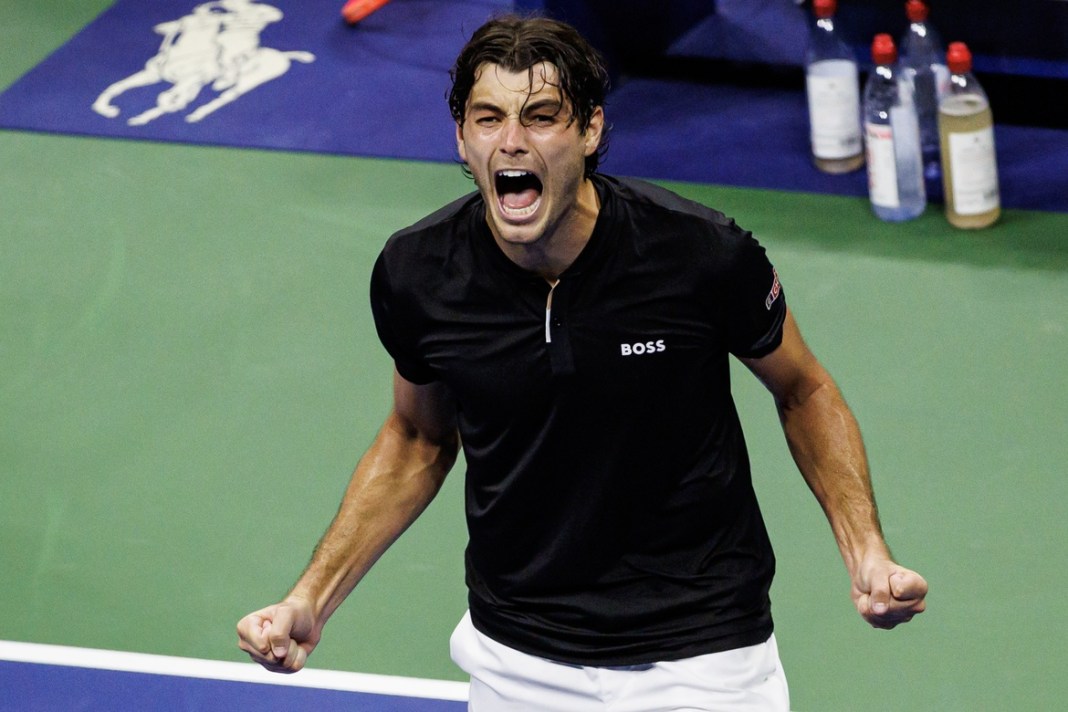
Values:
[(521, 212), (513, 174)]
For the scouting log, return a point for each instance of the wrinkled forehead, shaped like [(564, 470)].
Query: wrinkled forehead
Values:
[(539, 80)]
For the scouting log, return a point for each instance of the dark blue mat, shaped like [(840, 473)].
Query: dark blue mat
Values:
[(375, 90), (28, 687), (379, 90)]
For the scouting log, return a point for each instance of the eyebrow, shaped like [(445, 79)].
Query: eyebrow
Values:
[(553, 105), (484, 106)]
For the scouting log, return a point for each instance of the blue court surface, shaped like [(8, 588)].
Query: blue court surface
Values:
[(42, 677)]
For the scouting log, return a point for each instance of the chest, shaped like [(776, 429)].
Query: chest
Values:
[(622, 338)]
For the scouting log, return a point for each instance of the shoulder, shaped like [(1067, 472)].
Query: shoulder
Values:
[(436, 235), (449, 217), (651, 197), (659, 217), (419, 256)]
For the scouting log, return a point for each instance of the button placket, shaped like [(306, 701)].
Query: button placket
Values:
[(556, 334)]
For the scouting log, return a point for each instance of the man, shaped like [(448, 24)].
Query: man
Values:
[(572, 331)]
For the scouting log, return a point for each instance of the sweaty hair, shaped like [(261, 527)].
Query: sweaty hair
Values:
[(517, 44)]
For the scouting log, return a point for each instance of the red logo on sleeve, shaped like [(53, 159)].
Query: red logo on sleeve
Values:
[(776, 290)]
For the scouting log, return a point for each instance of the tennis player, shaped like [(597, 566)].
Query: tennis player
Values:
[(573, 332)]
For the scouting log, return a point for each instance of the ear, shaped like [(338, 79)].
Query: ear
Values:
[(460, 147), (594, 131)]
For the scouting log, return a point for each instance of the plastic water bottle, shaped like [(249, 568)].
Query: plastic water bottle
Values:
[(922, 58), (892, 137), (969, 162), (833, 88)]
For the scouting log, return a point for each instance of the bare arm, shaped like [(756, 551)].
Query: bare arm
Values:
[(393, 483), (826, 444)]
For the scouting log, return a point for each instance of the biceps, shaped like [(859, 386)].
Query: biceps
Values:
[(791, 372), (426, 411)]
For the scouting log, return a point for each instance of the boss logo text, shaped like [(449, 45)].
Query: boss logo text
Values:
[(647, 347)]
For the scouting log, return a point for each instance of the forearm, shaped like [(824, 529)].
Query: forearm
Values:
[(826, 444), (825, 441), (394, 482)]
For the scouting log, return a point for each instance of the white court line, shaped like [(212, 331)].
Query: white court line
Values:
[(231, 671)]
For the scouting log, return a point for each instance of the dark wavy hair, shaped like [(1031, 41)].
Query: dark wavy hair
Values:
[(518, 43)]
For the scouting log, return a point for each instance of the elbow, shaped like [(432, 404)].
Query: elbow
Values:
[(804, 392)]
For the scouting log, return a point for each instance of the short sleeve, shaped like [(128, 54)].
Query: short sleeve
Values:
[(393, 321), (756, 302)]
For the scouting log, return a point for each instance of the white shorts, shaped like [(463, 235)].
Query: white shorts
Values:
[(747, 679)]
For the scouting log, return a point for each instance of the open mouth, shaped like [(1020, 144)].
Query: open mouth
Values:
[(518, 192)]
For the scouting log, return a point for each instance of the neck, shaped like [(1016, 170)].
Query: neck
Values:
[(562, 243)]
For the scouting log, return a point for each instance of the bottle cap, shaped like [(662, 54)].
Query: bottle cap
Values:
[(959, 58), (824, 8), (883, 50), (916, 10)]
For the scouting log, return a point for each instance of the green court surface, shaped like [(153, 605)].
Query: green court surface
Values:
[(188, 372)]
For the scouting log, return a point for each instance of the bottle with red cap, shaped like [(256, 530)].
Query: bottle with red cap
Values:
[(892, 138), (833, 90), (969, 162), (923, 59)]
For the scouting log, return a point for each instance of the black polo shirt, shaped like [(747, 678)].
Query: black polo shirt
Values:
[(610, 507)]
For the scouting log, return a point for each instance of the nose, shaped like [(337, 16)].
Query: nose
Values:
[(513, 136)]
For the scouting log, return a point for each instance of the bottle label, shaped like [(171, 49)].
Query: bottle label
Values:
[(975, 172), (834, 108), (882, 167)]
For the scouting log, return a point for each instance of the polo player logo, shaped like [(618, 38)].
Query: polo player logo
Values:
[(217, 44)]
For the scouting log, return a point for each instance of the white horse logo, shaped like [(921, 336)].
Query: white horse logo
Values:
[(218, 43)]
